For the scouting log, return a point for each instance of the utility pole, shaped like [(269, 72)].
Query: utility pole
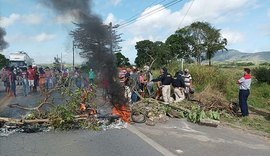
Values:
[(73, 46), (111, 37), (115, 38), (61, 62), (182, 64)]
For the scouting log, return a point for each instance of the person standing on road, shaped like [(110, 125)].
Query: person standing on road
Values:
[(7, 82), (91, 76), (149, 78), (166, 79), (188, 83), (25, 82), (244, 87), (77, 77), (41, 81), (36, 77), (31, 74), (5, 79), (12, 80), (179, 87), (47, 78)]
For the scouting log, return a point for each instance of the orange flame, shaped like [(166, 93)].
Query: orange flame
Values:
[(92, 111), (122, 112), (82, 107)]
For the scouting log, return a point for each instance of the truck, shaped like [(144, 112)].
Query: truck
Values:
[(20, 59)]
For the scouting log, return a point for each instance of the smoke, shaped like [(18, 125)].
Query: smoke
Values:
[(94, 39), (3, 43)]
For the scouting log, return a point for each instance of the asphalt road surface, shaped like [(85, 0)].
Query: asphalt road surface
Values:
[(82, 143), (176, 137)]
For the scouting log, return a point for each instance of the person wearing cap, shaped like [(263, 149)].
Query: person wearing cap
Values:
[(179, 87), (188, 82), (149, 78), (166, 79), (244, 87)]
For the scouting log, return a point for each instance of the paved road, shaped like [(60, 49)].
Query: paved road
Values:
[(84, 143), (28, 101), (188, 139)]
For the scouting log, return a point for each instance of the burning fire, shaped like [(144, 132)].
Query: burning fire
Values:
[(122, 112), (82, 107)]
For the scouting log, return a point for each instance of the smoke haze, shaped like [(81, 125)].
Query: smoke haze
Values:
[(94, 39)]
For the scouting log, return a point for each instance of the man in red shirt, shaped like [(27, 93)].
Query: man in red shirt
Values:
[(31, 74)]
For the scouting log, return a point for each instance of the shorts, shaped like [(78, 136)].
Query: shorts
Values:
[(31, 82)]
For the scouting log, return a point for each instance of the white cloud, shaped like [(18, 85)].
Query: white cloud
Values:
[(11, 19), (115, 2), (64, 19), (110, 18), (264, 29), (22, 38), (30, 19), (232, 36), (43, 37)]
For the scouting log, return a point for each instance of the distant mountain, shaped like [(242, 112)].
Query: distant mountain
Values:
[(234, 55)]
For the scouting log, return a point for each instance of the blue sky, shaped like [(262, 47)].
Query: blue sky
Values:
[(33, 28)]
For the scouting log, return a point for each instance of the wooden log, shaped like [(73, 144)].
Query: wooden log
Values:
[(209, 122), (21, 121)]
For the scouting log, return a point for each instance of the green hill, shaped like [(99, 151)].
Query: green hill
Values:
[(236, 56)]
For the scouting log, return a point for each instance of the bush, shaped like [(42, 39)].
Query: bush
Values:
[(262, 74), (264, 64), (245, 64)]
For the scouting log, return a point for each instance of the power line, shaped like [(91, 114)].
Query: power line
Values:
[(167, 5), (138, 13), (186, 13), (150, 13)]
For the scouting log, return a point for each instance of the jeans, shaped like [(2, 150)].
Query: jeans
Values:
[(134, 97), (47, 83), (91, 81), (150, 88), (78, 82), (13, 87), (25, 87), (243, 96)]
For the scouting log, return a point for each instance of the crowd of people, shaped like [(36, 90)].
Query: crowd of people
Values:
[(34, 79), (175, 88), (139, 83)]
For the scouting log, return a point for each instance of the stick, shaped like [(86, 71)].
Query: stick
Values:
[(21, 121)]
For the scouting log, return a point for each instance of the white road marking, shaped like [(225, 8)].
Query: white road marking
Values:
[(179, 151), (151, 142)]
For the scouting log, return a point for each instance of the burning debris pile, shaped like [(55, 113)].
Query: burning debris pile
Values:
[(78, 112), (149, 111), (206, 111)]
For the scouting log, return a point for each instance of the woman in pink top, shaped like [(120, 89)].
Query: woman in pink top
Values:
[(142, 83)]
